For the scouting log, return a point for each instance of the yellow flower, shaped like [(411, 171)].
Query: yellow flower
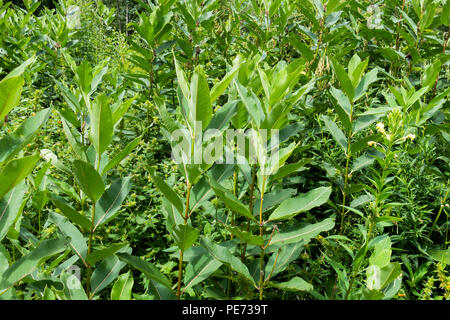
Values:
[(380, 127), (410, 136), (371, 143)]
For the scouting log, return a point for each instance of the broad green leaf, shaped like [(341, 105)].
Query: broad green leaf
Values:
[(102, 126), (200, 100), (101, 254), (77, 242), (107, 271), (303, 202), (363, 143), (378, 278), (223, 84), (247, 237), (365, 82), (199, 269), (72, 102), (12, 143), (353, 64), (337, 133), (167, 191), (164, 114), (202, 190), (145, 267), (280, 260), (73, 137), (160, 291), (343, 107), (182, 80), (15, 171), (83, 76), (122, 108), (21, 69), (273, 198), (364, 121), (445, 15), (223, 255), (357, 73), (73, 289), (171, 215), (10, 206), (97, 75), (295, 284), (228, 198), (111, 201), (285, 80), (121, 155), (381, 256), (184, 236), (221, 117), (251, 103), (301, 232), (362, 162), (10, 91), (88, 179), (278, 159), (290, 168), (121, 289), (344, 79), (410, 22), (416, 96), (431, 73), (29, 262), (428, 17), (443, 256), (265, 83), (69, 212)]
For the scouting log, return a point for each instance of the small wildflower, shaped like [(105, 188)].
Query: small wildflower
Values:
[(410, 136), (395, 156), (388, 136), (371, 143), (380, 127), (401, 294)]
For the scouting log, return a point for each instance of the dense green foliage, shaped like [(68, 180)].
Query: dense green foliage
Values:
[(93, 206)]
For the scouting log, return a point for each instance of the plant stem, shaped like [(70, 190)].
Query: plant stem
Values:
[(439, 214), (443, 51), (186, 217), (89, 267), (252, 190), (261, 232), (348, 155), (350, 286), (91, 234)]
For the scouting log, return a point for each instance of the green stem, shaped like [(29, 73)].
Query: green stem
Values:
[(347, 164), (261, 233), (252, 190), (439, 214), (443, 51), (186, 217), (350, 286), (91, 236)]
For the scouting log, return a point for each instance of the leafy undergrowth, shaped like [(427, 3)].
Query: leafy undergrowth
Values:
[(338, 183)]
